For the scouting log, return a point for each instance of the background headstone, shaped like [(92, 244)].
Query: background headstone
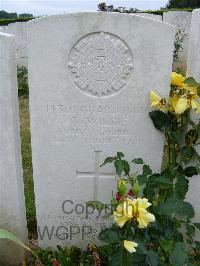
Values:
[(147, 15), (182, 21), (193, 65), (19, 30), (12, 207), (89, 79), (193, 70)]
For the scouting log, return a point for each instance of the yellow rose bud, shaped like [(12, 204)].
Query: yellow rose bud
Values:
[(177, 79), (136, 188), (121, 187), (130, 246)]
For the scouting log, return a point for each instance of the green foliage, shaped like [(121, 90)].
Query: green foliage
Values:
[(4, 234), (178, 44), (110, 8), (163, 242), (72, 256), (6, 21), (6, 15), (183, 4), (22, 76)]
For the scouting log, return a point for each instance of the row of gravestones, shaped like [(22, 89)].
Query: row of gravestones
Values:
[(89, 78), (180, 19)]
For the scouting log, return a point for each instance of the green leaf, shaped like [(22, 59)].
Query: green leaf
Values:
[(120, 257), (161, 121), (152, 258), (96, 205), (109, 235), (191, 82), (178, 256), (146, 170), (138, 161), (120, 155), (176, 136), (126, 167), (167, 244), (187, 210), (119, 166), (197, 225), (198, 91), (181, 186), (187, 153), (190, 171), (171, 206), (108, 160), (4, 234), (142, 179), (191, 137), (190, 230)]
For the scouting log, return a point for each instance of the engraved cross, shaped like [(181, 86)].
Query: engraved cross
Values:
[(96, 174)]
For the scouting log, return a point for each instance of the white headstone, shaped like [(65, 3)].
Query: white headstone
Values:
[(12, 207), (19, 29), (147, 15), (3, 28), (181, 20), (89, 79), (193, 65), (193, 70)]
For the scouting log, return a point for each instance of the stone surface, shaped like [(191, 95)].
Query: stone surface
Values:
[(19, 29), (89, 79), (12, 207), (193, 70), (182, 21), (147, 15), (193, 66)]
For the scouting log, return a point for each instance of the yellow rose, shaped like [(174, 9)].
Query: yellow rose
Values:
[(142, 215), (182, 105), (172, 103), (156, 100), (177, 79), (130, 246), (133, 209), (124, 212), (144, 218)]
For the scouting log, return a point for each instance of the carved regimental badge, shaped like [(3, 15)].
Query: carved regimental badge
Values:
[(100, 63), (180, 21)]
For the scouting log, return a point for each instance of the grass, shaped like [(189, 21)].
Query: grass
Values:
[(27, 160)]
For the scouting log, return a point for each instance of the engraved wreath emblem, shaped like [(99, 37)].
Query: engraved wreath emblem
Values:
[(100, 63)]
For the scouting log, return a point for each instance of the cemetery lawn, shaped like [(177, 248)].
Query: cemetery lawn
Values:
[(26, 159)]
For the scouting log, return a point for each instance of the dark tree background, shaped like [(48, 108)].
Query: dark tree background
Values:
[(6, 15), (183, 3), (111, 8)]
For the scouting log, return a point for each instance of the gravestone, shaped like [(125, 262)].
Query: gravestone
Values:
[(182, 21), (193, 66), (19, 30), (12, 207), (147, 15), (193, 70), (3, 28), (89, 79)]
